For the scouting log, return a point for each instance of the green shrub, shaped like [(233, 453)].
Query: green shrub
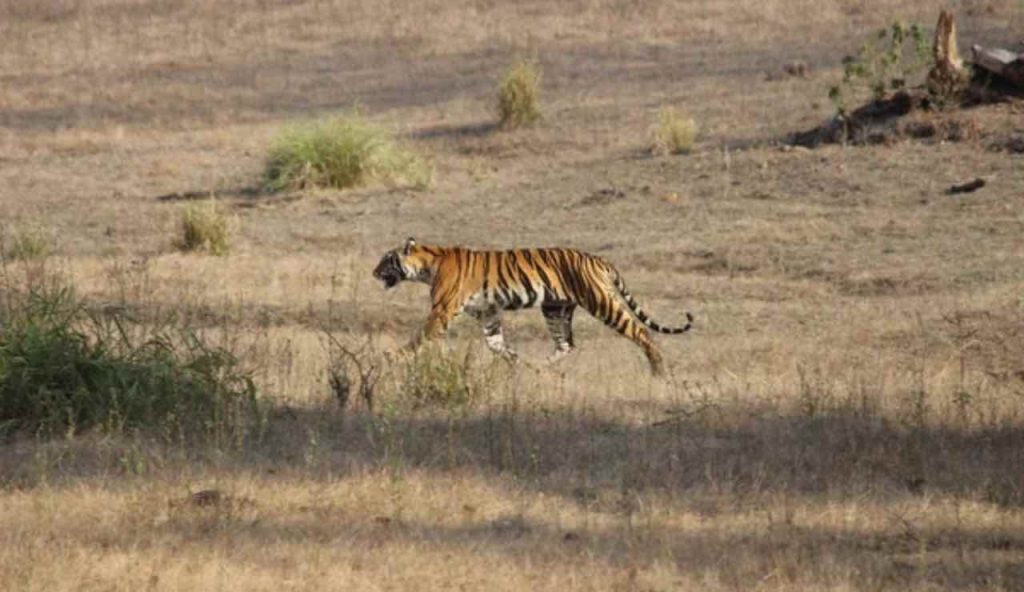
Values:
[(433, 376), (27, 243), (204, 228), (519, 95), (339, 153), (64, 370), (675, 133)]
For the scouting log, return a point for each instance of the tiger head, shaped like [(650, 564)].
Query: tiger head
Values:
[(408, 262)]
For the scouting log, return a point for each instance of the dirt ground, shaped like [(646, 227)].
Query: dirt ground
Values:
[(847, 414)]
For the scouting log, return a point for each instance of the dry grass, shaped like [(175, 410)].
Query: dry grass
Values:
[(847, 414), (675, 133), (519, 95), (204, 227)]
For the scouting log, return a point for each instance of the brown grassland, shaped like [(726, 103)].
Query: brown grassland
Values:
[(848, 413)]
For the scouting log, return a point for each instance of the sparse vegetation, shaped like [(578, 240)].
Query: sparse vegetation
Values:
[(204, 227), (519, 95), (339, 153), (64, 370), (434, 376), (349, 369), (896, 58), (675, 133)]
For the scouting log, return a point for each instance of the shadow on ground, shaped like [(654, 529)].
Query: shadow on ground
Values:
[(896, 557), (739, 452), (581, 456), (715, 463), (235, 192)]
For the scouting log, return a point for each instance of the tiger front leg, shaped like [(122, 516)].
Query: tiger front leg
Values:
[(434, 329), (495, 338)]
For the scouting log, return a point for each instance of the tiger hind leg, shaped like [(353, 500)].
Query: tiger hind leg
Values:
[(609, 311), (642, 337), (639, 335), (558, 317)]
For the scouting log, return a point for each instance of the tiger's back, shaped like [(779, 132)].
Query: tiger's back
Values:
[(524, 278)]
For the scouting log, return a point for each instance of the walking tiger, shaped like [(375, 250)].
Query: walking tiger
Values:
[(484, 283)]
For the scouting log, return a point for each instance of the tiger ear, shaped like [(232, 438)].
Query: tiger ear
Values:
[(409, 244)]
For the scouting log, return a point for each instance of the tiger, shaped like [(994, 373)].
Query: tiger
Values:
[(482, 284)]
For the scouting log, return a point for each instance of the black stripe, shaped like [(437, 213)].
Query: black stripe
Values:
[(487, 272), (578, 283), (543, 274), (561, 268), (619, 313), (507, 276), (604, 306), (524, 278), (514, 301)]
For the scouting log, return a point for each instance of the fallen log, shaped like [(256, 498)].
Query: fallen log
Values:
[(1000, 62)]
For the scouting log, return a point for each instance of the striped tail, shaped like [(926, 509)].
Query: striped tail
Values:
[(642, 316)]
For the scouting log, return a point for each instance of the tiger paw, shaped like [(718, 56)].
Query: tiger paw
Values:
[(559, 355)]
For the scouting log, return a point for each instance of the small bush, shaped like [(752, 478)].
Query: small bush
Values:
[(63, 370), (433, 376), (204, 228), (895, 58), (519, 95), (339, 153), (26, 244), (675, 133)]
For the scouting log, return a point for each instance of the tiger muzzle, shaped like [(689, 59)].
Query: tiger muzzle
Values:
[(388, 273)]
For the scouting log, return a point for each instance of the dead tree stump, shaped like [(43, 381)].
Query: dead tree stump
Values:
[(947, 78)]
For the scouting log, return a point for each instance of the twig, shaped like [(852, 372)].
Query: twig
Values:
[(369, 374)]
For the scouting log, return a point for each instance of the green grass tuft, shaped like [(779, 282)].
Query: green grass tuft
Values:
[(675, 133), (339, 153), (204, 228), (519, 95)]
